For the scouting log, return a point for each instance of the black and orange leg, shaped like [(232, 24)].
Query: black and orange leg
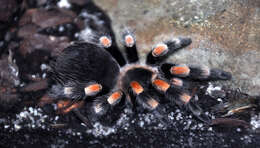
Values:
[(110, 45), (102, 105), (75, 91), (64, 108), (179, 96), (162, 50), (147, 100), (74, 94), (129, 42), (193, 72), (180, 83)]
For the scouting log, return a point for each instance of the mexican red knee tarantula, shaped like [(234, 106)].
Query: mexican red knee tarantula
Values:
[(97, 72)]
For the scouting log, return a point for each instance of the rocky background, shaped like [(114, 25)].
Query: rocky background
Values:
[(225, 34)]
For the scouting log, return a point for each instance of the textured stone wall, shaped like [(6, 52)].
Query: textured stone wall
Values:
[(225, 34)]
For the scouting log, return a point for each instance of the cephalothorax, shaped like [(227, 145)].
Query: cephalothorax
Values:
[(93, 71)]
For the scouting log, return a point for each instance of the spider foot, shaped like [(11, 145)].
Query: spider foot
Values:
[(198, 112), (106, 104), (151, 103)]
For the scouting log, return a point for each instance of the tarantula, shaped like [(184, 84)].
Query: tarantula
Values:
[(97, 72)]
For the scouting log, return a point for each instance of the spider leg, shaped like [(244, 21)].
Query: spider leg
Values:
[(98, 108), (102, 105), (84, 119), (152, 104), (63, 106), (193, 72), (162, 50), (109, 44), (147, 100), (75, 91), (129, 41), (180, 96), (67, 106), (197, 110), (182, 84)]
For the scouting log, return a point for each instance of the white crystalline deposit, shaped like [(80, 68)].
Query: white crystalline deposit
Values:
[(255, 121), (211, 89), (30, 118), (64, 4)]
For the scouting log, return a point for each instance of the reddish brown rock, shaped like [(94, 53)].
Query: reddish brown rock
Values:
[(7, 9), (43, 42), (27, 30), (35, 21), (49, 18)]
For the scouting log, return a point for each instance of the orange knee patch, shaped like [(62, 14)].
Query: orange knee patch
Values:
[(160, 50), (129, 41), (153, 103), (105, 41), (136, 87), (161, 85), (180, 70), (177, 82), (185, 98), (63, 106), (114, 97), (93, 89)]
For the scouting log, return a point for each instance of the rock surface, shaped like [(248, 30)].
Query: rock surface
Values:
[(225, 33)]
